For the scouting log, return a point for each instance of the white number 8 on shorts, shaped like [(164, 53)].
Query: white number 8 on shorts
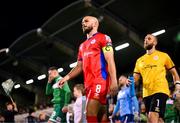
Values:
[(98, 88)]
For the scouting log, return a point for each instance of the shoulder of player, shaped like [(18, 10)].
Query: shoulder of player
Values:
[(102, 35), (161, 53), (81, 46), (67, 86), (141, 58)]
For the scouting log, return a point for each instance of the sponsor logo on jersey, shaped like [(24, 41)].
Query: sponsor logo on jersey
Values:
[(96, 96), (93, 41), (150, 66), (87, 53)]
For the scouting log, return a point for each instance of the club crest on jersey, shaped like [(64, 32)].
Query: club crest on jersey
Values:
[(155, 57), (93, 41)]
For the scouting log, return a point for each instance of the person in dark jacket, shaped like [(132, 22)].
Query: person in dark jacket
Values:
[(10, 112)]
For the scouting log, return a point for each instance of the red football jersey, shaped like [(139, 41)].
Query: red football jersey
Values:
[(94, 64)]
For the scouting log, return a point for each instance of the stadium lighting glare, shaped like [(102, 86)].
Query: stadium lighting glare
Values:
[(43, 76), (159, 32), (4, 50), (122, 46), (17, 86), (60, 70), (73, 65), (29, 81)]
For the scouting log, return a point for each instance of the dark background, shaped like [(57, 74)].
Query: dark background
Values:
[(31, 53)]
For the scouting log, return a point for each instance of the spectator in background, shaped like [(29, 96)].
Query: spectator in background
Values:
[(31, 117), (9, 113), (171, 112), (42, 118), (1, 119), (143, 115), (111, 101)]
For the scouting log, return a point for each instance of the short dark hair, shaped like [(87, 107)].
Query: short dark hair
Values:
[(52, 68), (31, 110), (9, 103)]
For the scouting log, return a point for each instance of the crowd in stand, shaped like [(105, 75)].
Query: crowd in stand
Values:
[(37, 114), (34, 114)]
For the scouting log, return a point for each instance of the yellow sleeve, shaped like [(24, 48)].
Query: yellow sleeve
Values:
[(136, 69), (168, 62)]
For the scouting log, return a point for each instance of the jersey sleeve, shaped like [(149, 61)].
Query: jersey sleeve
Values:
[(67, 94), (132, 87), (135, 104), (106, 43), (168, 62), (79, 58), (136, 69), (116, 108), (49, 89)]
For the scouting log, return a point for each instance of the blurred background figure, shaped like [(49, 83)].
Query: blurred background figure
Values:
[(70, 113), (31, 118), (111, 102), (10, 112), (143, 115), (171, 112), (1, 119), (79, 105), (43, 118)]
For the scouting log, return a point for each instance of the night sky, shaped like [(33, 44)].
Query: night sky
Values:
[(19, 17)]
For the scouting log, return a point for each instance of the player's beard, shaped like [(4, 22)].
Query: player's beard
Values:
[(149, 46), (87, 30)]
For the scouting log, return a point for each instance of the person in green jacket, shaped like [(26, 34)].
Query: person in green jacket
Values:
[(61, 96)]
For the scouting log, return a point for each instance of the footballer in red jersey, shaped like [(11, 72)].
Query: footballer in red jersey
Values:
[(96, 61), (96, 78)]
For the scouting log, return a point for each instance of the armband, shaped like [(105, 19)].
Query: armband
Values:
[(107, 49)]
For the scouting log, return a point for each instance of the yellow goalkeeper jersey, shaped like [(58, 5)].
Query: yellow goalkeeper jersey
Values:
[(153, 71)]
